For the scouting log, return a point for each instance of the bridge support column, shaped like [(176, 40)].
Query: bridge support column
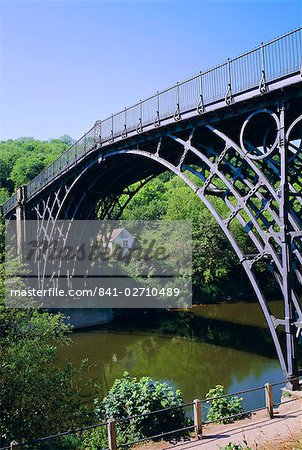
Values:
[(291, 342), (20, 218)]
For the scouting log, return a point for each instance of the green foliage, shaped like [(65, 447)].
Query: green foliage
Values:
[(94, 439), (37, 398), (286, 394), (149, 203), (231, 446), (25, 169), (131, 396), (2, 244), (22, 159), (213, 259), (215, 266), (217, 273), (67, 140), (4, 195), (221, 408)]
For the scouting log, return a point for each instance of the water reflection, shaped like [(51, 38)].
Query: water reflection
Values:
[(192, 352), (243, 313)]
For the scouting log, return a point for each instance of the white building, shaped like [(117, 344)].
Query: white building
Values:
[(120, 237)]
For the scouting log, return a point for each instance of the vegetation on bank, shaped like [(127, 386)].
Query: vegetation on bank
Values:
[(36, 397), (223, 408), (130, 396)]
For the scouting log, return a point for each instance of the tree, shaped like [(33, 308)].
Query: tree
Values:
[(25, 169), (66, 139), (37, 398), (213, 258), (22, 159), (149, 203), (4, 195)]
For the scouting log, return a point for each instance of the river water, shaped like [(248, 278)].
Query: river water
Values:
[(226, 344)]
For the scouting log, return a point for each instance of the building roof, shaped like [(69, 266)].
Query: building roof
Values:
[(115, 233)]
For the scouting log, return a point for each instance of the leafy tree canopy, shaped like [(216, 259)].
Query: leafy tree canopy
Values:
[(22, 159)]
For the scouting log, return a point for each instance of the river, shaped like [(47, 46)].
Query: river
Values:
[(225, 343)]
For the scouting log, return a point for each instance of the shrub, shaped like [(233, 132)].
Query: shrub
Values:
[(94, 439), (221, 408), (231, 446), (131, 396)]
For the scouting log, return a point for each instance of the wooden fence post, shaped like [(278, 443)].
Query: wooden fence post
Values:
[(111, 430), (14, 445), (269, 400), (197, 418)]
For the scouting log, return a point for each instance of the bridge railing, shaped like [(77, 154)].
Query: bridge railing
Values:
[(64, 161), (10, 203), (266, 63)]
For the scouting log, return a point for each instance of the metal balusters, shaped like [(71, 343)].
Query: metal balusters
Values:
[(157, 118)]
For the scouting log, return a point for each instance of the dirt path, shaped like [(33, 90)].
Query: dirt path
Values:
[(256, 431)]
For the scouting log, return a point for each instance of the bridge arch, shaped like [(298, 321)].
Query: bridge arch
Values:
[(207, 130), (258, 237), (211, 161)]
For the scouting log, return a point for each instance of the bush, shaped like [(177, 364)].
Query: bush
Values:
[(221, 408), (94, 439), (131, 396), (231, 446)]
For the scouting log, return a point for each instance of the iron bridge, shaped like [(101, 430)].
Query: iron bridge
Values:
[(232, 133)]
